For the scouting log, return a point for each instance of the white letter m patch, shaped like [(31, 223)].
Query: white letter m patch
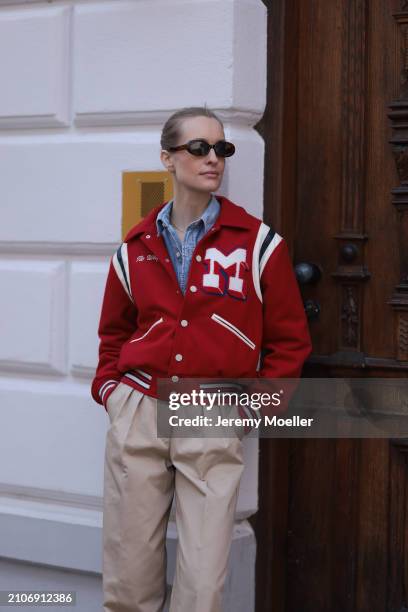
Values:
[(217, 276)]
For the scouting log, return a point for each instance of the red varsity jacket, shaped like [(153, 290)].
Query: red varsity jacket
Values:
[(242, 298)]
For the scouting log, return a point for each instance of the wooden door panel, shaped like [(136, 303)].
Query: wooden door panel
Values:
[(398, 528), (319, 142), (332, 523), (381, 219)]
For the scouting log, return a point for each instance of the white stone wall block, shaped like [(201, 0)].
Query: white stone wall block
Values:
[(87, 285), (32, 316), (150, 56), (16, 575), (35, 79), (73, 185), (244, 171), (250, 55), (52, 436)]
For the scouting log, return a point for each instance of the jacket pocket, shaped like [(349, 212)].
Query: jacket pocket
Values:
[(233, 329), (148, 331)]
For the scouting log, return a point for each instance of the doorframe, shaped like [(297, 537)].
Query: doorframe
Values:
[(278, 128)]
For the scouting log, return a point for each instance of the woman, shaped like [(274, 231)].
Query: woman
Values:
[(197, 289)]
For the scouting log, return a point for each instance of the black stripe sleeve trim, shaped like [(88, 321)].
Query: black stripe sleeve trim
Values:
[(267, 241), (120, 260)]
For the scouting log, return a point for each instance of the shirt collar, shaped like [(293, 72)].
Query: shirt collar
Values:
[(231, 215), (208, 217)]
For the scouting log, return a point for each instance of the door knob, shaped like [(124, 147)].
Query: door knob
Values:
[(307, 273)]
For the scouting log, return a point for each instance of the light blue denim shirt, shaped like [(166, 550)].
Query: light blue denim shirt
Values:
[(181, 253)]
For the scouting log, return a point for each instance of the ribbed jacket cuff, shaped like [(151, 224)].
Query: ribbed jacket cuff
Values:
[(106, 389)]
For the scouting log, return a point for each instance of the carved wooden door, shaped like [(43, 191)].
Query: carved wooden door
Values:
[(332, 526)]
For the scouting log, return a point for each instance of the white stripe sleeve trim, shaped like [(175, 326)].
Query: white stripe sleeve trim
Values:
[(141, 382), (106, 386), (262, 232), (145, 374), (107, 382), (118, 268), (277, 239)]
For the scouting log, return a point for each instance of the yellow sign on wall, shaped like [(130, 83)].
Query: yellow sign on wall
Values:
[(141, 192)]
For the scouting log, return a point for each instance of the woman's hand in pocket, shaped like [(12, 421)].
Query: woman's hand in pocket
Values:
[(117, 400)]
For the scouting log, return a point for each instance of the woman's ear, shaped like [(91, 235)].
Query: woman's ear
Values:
[(166, 160)]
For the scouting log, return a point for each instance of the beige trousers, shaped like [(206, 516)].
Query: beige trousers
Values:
[(142, 473)]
